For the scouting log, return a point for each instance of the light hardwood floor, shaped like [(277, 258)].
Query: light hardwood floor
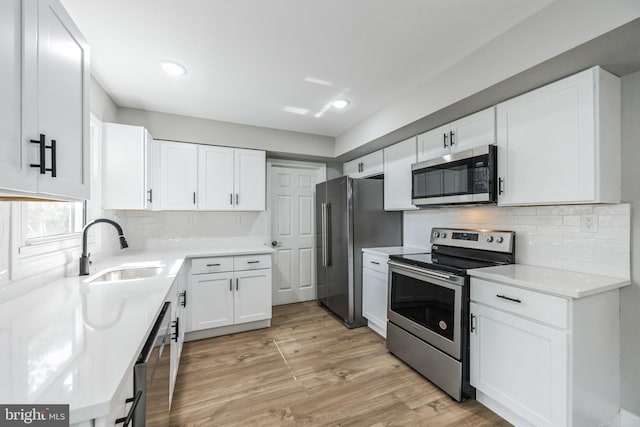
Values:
[(309, 370)]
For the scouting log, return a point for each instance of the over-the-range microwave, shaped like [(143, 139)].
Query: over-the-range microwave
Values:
[(465, 177)]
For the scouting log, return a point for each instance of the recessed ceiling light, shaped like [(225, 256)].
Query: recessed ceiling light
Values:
[(339, 104), (173, 69), (296, 110)]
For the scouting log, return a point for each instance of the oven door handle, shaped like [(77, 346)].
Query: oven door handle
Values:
[(420, 270)]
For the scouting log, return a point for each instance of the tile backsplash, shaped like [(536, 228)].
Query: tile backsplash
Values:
[(549, 236)]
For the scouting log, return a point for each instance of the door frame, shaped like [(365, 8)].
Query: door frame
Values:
[(320, 176)]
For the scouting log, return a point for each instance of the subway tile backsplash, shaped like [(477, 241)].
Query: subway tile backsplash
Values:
[(548, 236)]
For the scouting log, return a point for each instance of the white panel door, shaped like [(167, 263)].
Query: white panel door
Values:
[(179, 175), (473, 131), (215, 178), (252, 300), (374, 300), (211, 300), (293, 230), (433, 144), (250, 180), (15, 173), (63, 102), (546, 143), (397, 175), (521, 364)]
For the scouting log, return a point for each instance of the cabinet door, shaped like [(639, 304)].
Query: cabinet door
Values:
[(546, 143), (150, 153), (473, 131), (179, 175), (521, 364), (15, 173), (62, 102), (397, 175), (211, 301), (215, 178), (252, 300), (371, 164), (250, 180), (374, 300), (433, 144), (352, 168)]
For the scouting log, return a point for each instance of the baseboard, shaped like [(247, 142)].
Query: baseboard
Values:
[(226, 330), (624, 419), (502, 410)]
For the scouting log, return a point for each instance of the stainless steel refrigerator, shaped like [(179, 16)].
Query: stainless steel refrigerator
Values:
[(350, 216)]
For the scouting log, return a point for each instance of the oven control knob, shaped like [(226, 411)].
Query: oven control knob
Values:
[(443, 234), (499, 240), (489, 239), (436, 234)]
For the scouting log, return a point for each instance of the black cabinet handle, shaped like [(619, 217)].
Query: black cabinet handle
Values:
[(375, 262), (54, 161), (213, 265), (451, 135), (150, 199), (509, 299), (127, 420), (176, 324), (41, 152), (237, 198), (194, 197), (231, 199), (183, 294), (253, 262), (230, 285), (237, 284), (445, 140), (500, 186), (472, 326)]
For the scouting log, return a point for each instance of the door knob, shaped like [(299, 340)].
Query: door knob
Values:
[(275, 244)]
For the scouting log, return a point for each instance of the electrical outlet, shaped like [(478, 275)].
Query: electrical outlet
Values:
[(589, 223)]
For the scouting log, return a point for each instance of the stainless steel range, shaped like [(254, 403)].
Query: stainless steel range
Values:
[(428, 306)]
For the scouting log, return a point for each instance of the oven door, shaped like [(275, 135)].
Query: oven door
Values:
[(428, 305), (464, 177)]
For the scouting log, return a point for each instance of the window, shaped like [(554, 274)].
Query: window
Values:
[(51, 220)]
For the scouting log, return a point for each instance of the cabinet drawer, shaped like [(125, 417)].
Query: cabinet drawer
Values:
[(211, 265), (252, 262), (544, 308), (375, 262)]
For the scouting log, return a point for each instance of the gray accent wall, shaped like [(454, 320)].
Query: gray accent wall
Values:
[(630, 296)]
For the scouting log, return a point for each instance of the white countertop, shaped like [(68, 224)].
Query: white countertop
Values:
[(568, 284), (395, 250), (73, 342)]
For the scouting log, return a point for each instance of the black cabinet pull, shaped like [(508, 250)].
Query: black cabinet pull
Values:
[(194, 197), (213, 265), (375, 262), (41, 152), (509, 299), (150, 199), (54, 161), (127, 420), (472, 326), (237, 284), (451, 135), (176, 324), (231, 199), (253, 262), (445, 140), (183, 294), (237, 199), (500, 186), (230, 285)]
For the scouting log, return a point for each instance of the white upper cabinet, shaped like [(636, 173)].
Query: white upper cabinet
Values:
[(468, 132), (398, 159), (231, 179), (250, 180), (179, 175), (128, 167), (561, 143), (44, 141), (215, 178), (365, 166)]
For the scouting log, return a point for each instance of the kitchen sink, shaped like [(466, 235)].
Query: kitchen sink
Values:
[(130, 273)]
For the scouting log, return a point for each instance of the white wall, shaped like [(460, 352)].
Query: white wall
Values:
[(546, 236), (191, 129), (100, 103), (562, 25), (630, 296)]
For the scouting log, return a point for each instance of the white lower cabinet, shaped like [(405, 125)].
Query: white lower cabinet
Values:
[(121, 405), (544, 360), (179, 323), (375, 291), (241, 294)]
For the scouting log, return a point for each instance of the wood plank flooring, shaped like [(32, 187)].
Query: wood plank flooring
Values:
[(309, 370)]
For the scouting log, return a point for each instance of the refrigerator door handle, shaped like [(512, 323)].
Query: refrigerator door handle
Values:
[(323, 233), (327, 238)]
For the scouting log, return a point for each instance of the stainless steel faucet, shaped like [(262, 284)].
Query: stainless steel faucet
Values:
[(84, 259)]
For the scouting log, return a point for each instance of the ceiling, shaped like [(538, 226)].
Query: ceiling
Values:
[(247, 60)]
